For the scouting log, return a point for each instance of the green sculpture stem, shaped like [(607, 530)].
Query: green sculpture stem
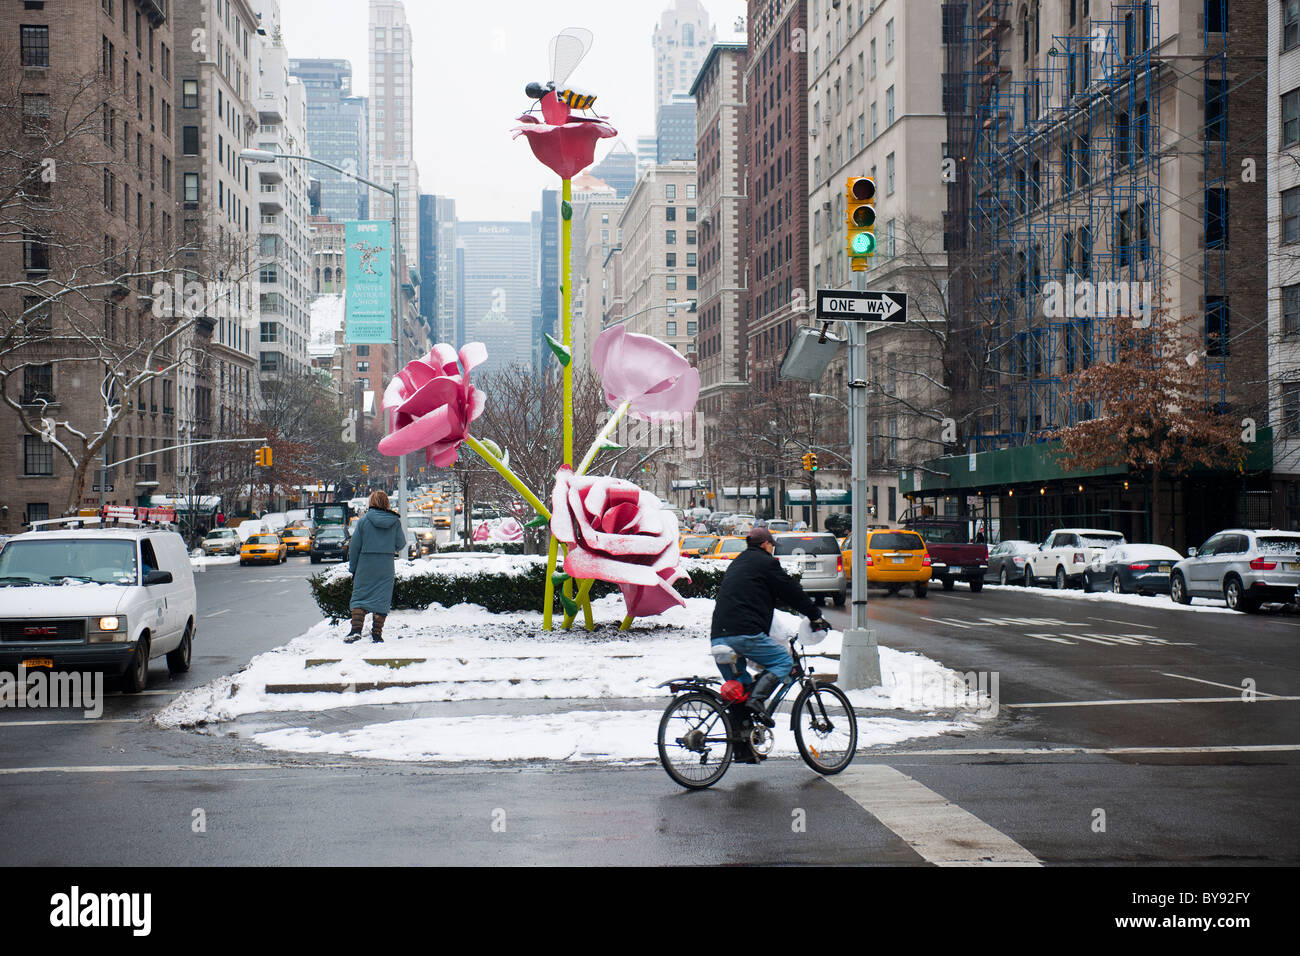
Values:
[(605, 432), (508, 475)]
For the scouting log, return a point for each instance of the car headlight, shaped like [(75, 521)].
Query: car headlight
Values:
[(107, 630), (108, 623)]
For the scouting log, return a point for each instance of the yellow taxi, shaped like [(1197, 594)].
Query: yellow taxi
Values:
[(696, 545), (897, 559), (846, 549), (725, 549), (442, 520), (267, 548), (297, 539)]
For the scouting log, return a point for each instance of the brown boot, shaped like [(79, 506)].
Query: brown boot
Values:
[(377, 628), (358, 622)]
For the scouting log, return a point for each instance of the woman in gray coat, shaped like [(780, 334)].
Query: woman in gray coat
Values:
[(376, 540)]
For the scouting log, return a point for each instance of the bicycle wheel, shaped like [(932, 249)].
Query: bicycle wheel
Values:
[(695, 741), (825, 728)]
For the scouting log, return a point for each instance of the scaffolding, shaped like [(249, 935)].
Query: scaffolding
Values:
[(1059, 184)]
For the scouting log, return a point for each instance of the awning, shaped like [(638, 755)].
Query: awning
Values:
[(685, 484), (747, 491), (825, 496), (207, 503)]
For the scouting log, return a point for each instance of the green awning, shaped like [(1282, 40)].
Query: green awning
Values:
[(825, 496), (1028, 464)]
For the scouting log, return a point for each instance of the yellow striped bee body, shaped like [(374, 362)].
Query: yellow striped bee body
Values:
[(576, 99)]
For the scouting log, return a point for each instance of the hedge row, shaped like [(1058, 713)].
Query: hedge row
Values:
[(494, 591), (502, 547)]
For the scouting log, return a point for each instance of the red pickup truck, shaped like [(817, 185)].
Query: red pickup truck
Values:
[(953, 557)]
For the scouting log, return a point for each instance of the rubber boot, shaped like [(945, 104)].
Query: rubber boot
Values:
[(358, 622), (377, 628), (766, 683)]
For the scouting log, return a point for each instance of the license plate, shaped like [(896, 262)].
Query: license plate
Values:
[(899, 560), (1164, 568), (1293, 567), (38, 662), (957, 570)]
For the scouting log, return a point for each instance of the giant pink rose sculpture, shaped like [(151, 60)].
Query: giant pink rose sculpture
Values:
[(652, 376), (618, 533), (431, 402), (559, 140)]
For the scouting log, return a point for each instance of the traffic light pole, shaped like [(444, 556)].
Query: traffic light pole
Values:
[(399, 315), (859, 656)]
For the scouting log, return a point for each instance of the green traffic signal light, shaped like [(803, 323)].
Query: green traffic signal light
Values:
[(864, 244)]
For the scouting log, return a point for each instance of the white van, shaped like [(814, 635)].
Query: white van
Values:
[(97, 599)]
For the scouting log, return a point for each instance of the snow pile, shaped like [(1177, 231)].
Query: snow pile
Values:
[(1161, 601)]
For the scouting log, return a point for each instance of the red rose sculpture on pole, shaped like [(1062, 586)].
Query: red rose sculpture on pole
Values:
[(431, 402), (560, 141)]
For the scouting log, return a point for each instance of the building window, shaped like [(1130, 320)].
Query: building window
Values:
[(38, 511), (670, 237), (1216, 326), (1290, 24), (38, 384), (672, 328), (1291, 215), (670, 191), (671, 283), (1216, 112), (671, 260), (1216, 218), (191, 187), (690, 260), (889, 41), (690, 190), (1291, 309), (690, 213), (1291, 118), (36, 113), (35, 46), (889, 107), (690, 283), (690, 237), (36, 253), (190, 141), (1216, 16), (889, 175), (38, 456), (670, 213)]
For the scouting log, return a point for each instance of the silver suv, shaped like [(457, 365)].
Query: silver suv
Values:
[(1244, 568), (818, 561)]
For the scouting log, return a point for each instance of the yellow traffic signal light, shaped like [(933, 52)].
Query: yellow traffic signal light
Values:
[(812, 461), (807, 461), (258, 458), (263, 457), (365, 469), (860, 218), (267, 450)]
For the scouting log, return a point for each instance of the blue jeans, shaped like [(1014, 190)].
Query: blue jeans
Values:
[(759, 648)]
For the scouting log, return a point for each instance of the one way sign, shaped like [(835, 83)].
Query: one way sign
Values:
[(852, 306)]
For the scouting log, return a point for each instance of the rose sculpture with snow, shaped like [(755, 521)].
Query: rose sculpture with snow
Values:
[(618, 533), (431, 402)]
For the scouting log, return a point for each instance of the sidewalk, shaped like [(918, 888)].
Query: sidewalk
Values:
[(461, 684)]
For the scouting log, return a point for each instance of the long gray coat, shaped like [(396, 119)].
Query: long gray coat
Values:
[(377, 537)]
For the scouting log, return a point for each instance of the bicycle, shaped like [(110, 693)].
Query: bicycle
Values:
[(698, 722)]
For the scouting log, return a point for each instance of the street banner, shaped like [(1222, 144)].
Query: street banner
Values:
[(369, 257)]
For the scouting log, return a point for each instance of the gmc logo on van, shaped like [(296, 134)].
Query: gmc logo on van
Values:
[(40, 631)]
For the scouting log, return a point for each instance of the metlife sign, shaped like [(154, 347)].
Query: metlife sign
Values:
[(852, 306)]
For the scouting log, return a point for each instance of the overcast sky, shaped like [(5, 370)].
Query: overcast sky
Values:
[(470, 73)]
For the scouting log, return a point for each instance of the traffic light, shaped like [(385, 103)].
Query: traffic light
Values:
[(365, 469), (812, 462), (860, 218), (263, 457), (808, 461)]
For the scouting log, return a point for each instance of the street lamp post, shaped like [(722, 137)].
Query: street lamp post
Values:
[(267, 156)]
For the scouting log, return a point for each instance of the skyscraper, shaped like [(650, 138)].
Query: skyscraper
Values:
[(498, 288), (681, 42), (338, 133), (392, 140), (618, 168), (549, 300), (675, 129)]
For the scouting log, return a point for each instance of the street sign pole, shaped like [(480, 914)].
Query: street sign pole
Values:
[(859, 655)]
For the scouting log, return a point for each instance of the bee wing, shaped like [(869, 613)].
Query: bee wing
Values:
[(568, 47)]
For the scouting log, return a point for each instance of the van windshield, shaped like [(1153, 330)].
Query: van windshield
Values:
[(75, 560)]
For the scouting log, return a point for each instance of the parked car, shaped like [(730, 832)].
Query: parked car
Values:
[(898, 559), (1131, 569), (1065, 554), (818, 560), (413, 547), (778, 525), (329, 542), (1007, 561), (953, 555), (267, 548), (221, 541), (140, 603), (1245, 568)]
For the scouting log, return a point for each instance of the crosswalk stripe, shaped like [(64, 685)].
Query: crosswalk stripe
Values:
[(941, 832)]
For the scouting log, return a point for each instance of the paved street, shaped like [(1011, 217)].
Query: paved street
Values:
[(1177, 780)]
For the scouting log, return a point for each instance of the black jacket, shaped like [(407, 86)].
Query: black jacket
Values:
[(753, 586)]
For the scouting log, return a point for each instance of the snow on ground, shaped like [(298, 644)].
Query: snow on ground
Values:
[(201, 561), (581, 736), (470, 654), (1161, 601)]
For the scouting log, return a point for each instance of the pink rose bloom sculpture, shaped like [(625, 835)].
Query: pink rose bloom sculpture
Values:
[(431, 402), (564, 144), (653, 376), (618, 533)]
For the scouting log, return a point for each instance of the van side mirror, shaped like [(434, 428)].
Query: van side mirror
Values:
[(1191, 552), (157, 577)]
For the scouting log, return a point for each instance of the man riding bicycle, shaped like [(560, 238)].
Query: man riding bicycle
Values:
[(742, 616)]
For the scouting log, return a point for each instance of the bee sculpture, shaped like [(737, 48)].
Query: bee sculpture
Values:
[(568, 48)]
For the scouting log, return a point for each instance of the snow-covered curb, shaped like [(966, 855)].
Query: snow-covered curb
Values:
[(209, 561)]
